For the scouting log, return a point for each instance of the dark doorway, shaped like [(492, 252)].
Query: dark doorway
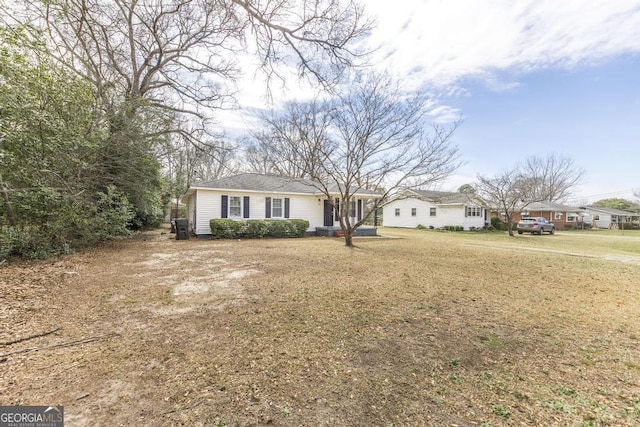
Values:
[(328, 214)]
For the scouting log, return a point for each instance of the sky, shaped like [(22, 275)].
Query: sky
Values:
[(526, 78)]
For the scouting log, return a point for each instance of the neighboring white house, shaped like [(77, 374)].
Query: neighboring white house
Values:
[(435, 209), (608, 217), (256, 196)]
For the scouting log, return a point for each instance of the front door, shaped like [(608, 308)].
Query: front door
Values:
[(328, 214)]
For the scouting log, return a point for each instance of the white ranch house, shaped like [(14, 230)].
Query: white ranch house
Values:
[(600, 217), (256, 196), (435, 209)]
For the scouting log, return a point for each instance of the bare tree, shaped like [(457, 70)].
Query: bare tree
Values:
[(553, 177), (507, 192), (291, 143), (178, 54), (185, 163), (175, 60), (535, 180), (376, 138)]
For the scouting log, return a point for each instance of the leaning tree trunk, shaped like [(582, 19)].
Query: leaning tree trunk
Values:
[(510, 226)]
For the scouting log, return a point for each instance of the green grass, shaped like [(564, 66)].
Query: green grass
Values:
[(586, 243)]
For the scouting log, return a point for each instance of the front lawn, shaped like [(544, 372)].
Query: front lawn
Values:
[(414, 328)]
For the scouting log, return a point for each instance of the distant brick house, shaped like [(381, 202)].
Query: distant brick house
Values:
[(561, 215)]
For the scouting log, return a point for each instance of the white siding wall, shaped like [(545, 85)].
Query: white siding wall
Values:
[(306, 207), (405, 219), (473, 221), (209, 206), (445, 215), (603, 221)]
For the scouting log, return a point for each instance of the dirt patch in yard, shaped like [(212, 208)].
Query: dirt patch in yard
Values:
[(422, 329)]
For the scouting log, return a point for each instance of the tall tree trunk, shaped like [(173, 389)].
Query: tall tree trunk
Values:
[(345, 224), (348, 239)]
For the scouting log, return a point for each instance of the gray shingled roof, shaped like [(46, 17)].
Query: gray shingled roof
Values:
[(612, 211), (443, 197), (550, 206), (268, 184)]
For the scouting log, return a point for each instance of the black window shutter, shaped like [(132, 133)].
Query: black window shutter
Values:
[(225, 207), (267, 208), (465, 211), (246, 207), (337, 210), (286, 207), (359, 209)]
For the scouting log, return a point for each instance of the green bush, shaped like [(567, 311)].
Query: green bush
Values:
[(277, 228), (224, 228), (51, 223), (257, 228), (300, 227), (627, 226), (421, 227), (497, 223), (16, 241), (114, 214)]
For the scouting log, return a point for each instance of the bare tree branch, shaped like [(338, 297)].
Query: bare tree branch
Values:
[(554, 176), (373, 137), (535, 180)]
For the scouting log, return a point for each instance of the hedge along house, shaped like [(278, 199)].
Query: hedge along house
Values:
[(256, 196), (435, 209)]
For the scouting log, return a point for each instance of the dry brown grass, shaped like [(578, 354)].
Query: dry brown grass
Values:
[(423, 328)]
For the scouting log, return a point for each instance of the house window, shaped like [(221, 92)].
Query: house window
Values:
[(414, 212), (235, 207), (597, 217), (397, 211), (558, 215), (276, 208), (352, 209), (474, 211), (432, 211), (571, 218)]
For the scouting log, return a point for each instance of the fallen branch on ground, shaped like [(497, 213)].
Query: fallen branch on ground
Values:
[(62, 345), (42, 334)]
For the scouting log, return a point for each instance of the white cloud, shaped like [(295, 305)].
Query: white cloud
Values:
[(441, 42)]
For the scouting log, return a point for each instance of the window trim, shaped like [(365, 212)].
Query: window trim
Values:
[(273, 207), (239, 207), (414, 211), (474, 211), (433, 212)]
